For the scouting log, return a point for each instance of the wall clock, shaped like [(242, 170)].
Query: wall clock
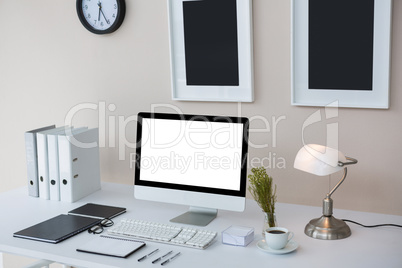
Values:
[(101, 16)]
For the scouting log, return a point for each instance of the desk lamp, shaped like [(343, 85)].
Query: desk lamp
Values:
[(322, 161)]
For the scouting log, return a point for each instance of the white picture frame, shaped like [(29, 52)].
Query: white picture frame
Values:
[(243, 92), (378, 97)]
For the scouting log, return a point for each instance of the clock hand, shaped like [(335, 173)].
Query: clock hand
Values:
[(107, 21), (101, 11), (100, 7)]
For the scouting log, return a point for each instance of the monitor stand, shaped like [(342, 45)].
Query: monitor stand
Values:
[(197, 216)]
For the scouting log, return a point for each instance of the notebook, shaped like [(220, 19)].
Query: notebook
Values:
[(111, 246), (97, 211), (57, 229)]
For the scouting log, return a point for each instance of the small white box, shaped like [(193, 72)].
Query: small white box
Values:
[(238, 236)]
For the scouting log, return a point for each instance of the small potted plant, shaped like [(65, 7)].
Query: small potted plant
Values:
[(264, 193)]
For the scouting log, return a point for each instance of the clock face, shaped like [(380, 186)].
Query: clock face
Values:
[(101, 16)]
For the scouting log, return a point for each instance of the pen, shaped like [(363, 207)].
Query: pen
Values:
[(160, 258), (163, 263), (146, 256)]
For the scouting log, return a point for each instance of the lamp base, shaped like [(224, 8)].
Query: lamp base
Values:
[(327, 228)]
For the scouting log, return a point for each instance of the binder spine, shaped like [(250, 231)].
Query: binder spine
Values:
[(54, 176), (65, 169), (43, 167), (32, 164)]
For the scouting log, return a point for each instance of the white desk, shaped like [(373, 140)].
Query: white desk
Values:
[(378, 247)]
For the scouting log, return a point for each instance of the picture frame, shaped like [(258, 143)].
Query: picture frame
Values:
[(366, 83), (227, 76)]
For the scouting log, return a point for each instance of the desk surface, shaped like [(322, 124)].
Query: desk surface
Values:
[(378, 247)]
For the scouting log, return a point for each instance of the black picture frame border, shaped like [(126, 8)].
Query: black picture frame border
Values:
[(180, 90), (302, 95)]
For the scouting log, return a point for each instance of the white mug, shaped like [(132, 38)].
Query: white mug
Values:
[(277, 237)]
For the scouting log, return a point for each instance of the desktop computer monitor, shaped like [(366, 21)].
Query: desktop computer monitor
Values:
[(194, 160)]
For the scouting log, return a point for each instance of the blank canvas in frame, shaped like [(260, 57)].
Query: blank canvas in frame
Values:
[(211, 52), (341, 52)]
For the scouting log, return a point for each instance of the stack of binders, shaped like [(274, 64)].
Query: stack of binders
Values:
[(62, 163)]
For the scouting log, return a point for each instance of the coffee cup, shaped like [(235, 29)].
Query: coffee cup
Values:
[(277, 237)]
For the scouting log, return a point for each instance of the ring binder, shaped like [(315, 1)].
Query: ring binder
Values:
[(78, 166), (32, 160)]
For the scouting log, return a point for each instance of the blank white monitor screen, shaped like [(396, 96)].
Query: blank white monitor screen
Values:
[(195, 160)]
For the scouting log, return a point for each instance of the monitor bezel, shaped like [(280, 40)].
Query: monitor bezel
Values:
[(190, 117)]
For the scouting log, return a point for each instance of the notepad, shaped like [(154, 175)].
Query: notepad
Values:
[(97, 211), (111, 246), (57, 229)]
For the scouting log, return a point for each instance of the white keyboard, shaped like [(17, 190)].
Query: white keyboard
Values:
[(163, 233)]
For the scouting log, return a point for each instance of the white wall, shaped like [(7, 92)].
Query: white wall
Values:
[(49, 63)]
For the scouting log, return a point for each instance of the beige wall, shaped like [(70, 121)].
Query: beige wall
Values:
[(49, 63)]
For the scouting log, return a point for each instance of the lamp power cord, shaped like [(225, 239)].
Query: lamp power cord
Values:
[(373, 226)]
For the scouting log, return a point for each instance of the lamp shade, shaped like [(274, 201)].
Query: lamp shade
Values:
[(319, 160)]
